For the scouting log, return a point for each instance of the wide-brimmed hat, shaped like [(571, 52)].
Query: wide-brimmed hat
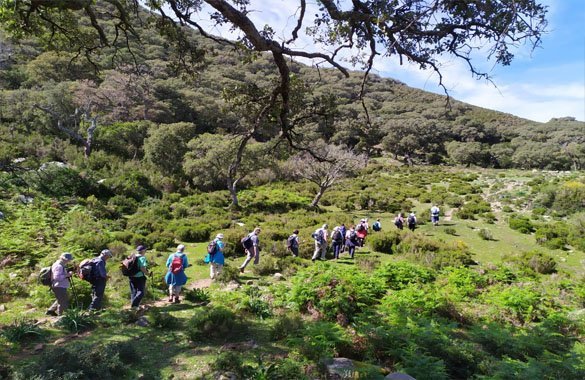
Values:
[(219, 236)]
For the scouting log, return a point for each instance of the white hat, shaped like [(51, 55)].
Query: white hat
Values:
[(219, 236), (180, 248)]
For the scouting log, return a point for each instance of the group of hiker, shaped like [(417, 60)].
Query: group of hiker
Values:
[(94, 270)]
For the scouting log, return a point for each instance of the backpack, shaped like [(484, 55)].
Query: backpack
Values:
[(212, 247), (360, 227), (290, 241), (129, 266), (247, 242), (87, 269), (318, 236), (411, 220), (337, 236), (376, 226), (176, 264), (398, 222), (352, 236), (46, 276)]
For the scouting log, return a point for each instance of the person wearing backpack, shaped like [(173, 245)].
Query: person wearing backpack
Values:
[(292, 243), (411, 221), (60, 282), (176, 277), (362, 231), (377, 226), (98, 279), (399, 221), (216, 260), (252, 249), (336, 241), (138, 280), (320, 236), (343, 231), (351, 240), (435, 211)]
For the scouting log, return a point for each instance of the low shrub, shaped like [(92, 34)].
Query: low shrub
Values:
[(521, 224), (401, 274), (21, 330), (229, 274), (76, 320), (214, 323), (287, 325), (552, 235), (198, 296), (485, 234), (320, 340), (385, 241), (163, 320), (109, 361), (450, 231), (539, 262)]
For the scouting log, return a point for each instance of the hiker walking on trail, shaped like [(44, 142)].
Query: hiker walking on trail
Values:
[(60, 282), (176, 277), (362, 231), (399, 221), (320, 236), (336, 241), (377, 226), (138, 280), (292, 243), (435, 215), (216, 260), (98, 279), (411, 221), (351, 240), (251, 245), (343, 231)]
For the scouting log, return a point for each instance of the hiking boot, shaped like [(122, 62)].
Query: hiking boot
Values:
[(171, 299), (52, 313), (241, 270), (177, 300)]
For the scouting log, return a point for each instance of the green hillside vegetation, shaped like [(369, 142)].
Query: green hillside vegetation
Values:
[(158, 146)]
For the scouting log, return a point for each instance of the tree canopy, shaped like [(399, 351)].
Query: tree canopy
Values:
[(361, 31)]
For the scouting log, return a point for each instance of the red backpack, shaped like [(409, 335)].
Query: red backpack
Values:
[(176, 264)]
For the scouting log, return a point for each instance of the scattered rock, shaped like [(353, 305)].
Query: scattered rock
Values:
[(278, 276), (399, 376), (142, 322), (250, 282), (2, 308), (226, 376), (60, 341), (232, 286), (339, 368), (39, 347)]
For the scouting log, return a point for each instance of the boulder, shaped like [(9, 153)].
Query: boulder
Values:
[(142, 322)]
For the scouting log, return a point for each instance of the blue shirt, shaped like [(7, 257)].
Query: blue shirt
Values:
[(218, 257)]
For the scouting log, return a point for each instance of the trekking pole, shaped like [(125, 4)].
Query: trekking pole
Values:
[(74, 291), (153, 296)]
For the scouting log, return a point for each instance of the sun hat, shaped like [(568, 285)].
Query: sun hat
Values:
[(67, 256), (181, 247), (219, 236), (106, 252), (141, 248)]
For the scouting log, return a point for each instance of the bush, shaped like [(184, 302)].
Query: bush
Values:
[(401, 274), (553, 236), (287, 325), (213, 323), (198, 296), (164, 321), (384, 241), (93, 362), (193, 233), (485, 234), (539, 262), (76, 320), (521, 224), (21, 330)]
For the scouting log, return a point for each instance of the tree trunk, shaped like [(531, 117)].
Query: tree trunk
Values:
[(233, 192), (317, 198)]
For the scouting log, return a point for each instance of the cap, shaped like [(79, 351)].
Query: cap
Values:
[(180, 247), (106, 252), (325, 225), (141, 248), (67, 256), (219, 236)]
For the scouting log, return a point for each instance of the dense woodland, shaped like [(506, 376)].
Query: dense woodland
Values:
[(157, 145)]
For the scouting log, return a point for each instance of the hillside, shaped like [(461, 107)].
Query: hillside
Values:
[(124, 148)]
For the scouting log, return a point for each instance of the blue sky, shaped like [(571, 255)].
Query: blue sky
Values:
[(539, 85)]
